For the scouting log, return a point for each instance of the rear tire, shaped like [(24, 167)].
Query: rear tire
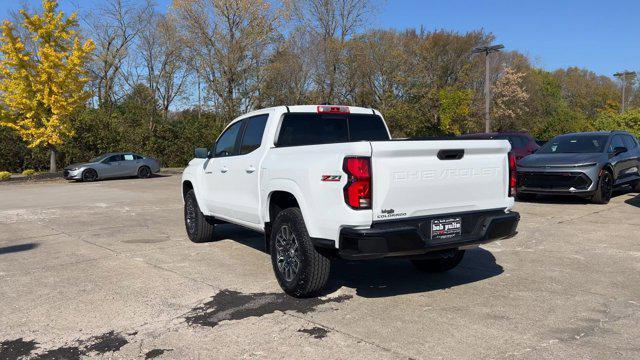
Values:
[(300, 269), (439, 265), (144, 172), (199, 228), (605, 188)]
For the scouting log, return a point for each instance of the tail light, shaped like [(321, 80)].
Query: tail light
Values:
[(332, 109), (357, 192), (513, 175)]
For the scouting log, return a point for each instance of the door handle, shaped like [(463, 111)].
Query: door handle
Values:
[(224, 169), (250, 169)]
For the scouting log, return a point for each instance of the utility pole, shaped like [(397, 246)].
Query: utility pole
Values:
[(487, 83), (622, 76)]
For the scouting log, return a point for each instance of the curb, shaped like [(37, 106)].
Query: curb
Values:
[(58, 176)]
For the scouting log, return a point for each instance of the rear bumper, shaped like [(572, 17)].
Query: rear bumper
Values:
[(412, 237)]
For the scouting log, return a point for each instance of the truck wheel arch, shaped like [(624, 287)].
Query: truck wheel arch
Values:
[(277, 201), (186, 186), (281, 200)]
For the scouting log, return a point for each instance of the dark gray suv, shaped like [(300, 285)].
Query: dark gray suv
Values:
[(588, 164)]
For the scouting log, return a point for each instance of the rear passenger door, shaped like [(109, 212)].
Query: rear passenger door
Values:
[(246, 170), (633, 153), (130, 165), (620, 162)]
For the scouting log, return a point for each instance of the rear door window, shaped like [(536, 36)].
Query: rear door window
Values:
[(253, 132), (629, 142), (523, 141), (616, 141), (515, 140), (299, 129), (128, 157)]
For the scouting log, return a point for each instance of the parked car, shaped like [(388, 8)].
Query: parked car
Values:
[(541, 142), (522, 144), (323, 181), (112, 165), (588, 164)]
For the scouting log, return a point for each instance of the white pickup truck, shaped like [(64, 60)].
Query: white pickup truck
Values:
[(325, 181)]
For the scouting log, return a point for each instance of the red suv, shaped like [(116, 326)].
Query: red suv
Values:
[(522, 144)]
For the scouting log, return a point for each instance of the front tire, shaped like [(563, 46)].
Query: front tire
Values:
[(300, 269), (89, 175), (199, 227), (605, 188), (439, 265), (144, 172)]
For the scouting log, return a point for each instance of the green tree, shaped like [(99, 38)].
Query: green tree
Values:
[(629, 121), (454, 110)]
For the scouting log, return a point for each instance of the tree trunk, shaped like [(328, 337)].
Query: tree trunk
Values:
[(52, 160)]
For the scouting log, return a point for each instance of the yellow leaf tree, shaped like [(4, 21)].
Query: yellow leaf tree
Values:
[(42, 76)]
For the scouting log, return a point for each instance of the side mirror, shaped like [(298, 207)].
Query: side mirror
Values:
[(619, 150), (202, 153)]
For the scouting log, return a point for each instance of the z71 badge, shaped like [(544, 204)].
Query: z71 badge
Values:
[(331, 177)]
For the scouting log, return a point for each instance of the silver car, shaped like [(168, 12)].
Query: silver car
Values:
[(112, 165), (588, 164)]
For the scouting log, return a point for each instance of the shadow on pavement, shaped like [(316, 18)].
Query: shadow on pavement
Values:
[(241, 235), (17, 248), (634, 201), (116, 179), (391, 277), (385, 277)]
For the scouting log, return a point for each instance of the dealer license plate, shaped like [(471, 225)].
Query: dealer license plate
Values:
[(447, 228)]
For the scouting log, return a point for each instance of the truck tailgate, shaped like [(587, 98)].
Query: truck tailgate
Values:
[(420, 178)]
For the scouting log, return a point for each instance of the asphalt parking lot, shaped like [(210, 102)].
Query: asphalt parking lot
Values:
[(105, 270)]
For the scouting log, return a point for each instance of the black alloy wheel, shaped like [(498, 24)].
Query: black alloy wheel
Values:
[(144, 172), (605, 188), (89, 175)]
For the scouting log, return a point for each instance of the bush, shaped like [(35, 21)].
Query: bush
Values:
[(629, 121), (29, 172), (13, 151), (5, 175)]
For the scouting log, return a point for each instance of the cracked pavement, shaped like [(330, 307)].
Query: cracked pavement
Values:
[(105, 270)]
